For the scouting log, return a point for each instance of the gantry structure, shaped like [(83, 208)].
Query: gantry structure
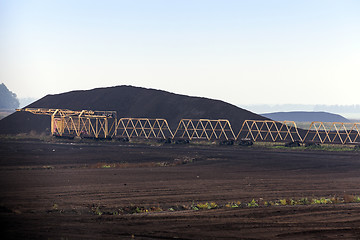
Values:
[(104, 124), (84, 123)]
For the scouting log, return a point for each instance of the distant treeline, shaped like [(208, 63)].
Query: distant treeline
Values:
[(8, 99)]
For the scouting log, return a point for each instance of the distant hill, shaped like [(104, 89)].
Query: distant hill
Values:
[(351, 111), (301, 116), (128, 101)]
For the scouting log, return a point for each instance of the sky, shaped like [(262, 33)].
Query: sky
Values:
[(241, 52)]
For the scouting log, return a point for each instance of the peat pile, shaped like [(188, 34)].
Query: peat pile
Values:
[(128, 101)]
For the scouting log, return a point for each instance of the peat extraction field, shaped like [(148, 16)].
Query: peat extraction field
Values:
[(59, 189)]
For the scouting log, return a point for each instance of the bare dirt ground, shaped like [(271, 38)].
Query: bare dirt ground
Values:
[(89, 190)]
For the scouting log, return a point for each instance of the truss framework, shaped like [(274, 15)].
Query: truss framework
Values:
[(143, 127), (334, 132), (86, 123), (97, 124), (204, 129), (267, 130), (321, 132), (68, 113)]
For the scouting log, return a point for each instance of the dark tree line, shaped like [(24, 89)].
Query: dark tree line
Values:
[(8, 99)]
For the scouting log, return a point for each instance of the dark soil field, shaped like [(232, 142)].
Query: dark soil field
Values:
[(112, 190)]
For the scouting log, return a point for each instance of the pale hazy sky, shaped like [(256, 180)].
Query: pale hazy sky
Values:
[(243, 52)]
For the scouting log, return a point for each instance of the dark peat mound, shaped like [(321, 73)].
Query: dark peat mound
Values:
[(128, 101)]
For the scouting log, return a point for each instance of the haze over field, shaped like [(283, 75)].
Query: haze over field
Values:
[(242, 52)]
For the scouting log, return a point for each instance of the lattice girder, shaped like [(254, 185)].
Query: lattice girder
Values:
[(104, 124), (143, 127), (208, 129), (265, 130)]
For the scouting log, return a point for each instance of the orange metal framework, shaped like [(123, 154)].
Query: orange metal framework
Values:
[(320, 132), (334, 132), (104, 124), (78, 123), (143, 127), (268, 130), (204, 129)]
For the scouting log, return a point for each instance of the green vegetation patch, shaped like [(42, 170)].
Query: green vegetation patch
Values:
[(304, 147), (176, 162), (203, 206)]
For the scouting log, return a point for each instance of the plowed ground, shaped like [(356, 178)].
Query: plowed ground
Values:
[(76, 190)]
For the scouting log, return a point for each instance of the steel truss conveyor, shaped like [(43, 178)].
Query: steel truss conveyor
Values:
[(104, 124)]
